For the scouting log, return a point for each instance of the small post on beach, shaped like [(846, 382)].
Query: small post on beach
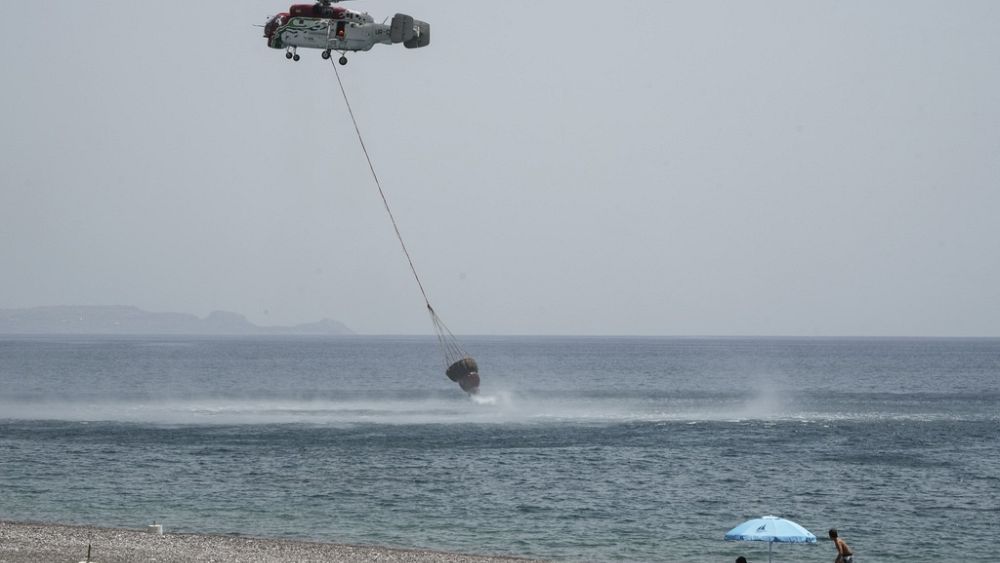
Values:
[(88, 555)]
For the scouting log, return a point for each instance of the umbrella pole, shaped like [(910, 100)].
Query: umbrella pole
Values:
[(769, 544)]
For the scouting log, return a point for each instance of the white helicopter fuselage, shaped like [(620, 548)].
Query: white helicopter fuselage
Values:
[(334, 35)]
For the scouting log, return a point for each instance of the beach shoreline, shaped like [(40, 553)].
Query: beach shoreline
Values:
[(36, 542)]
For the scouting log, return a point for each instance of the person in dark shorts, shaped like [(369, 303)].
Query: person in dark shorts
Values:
[(844, 552)]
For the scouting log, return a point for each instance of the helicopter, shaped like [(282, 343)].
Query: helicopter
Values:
[(332, 28)]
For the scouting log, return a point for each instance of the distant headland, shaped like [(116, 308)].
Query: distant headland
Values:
[(123, 320)]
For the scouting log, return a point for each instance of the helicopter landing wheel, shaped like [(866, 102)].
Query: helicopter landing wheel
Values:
[(342, 61), (288, 54), (296, 57), (326, 54)]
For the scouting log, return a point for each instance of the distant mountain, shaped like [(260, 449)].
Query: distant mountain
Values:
[(132, 320)]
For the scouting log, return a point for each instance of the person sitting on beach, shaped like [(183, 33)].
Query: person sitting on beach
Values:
[(844, 553)]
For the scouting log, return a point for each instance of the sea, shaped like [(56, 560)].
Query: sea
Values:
[(576, 448)]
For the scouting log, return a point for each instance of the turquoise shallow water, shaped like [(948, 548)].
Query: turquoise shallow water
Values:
[(637, 449)]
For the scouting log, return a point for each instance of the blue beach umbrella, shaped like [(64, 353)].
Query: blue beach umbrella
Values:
[(770, 529)]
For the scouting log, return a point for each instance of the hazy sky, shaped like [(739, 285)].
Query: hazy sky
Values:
[(556, 167)]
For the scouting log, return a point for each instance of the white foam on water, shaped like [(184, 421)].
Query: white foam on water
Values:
[(484, 400)]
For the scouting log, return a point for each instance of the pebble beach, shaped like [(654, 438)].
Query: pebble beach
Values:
[(54, 543)]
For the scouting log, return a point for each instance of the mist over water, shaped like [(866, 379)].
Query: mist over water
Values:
[(451, 407), (482, 409), (579, 448)]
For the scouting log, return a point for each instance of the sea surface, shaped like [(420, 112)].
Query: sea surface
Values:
[(577, 449)]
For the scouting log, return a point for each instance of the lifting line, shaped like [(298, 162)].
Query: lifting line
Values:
[(449, 344)]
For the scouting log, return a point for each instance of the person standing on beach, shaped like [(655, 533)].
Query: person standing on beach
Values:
[(844, 552)]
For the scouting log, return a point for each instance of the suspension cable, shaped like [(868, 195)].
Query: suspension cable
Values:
[(449, 344), (378, 184)]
